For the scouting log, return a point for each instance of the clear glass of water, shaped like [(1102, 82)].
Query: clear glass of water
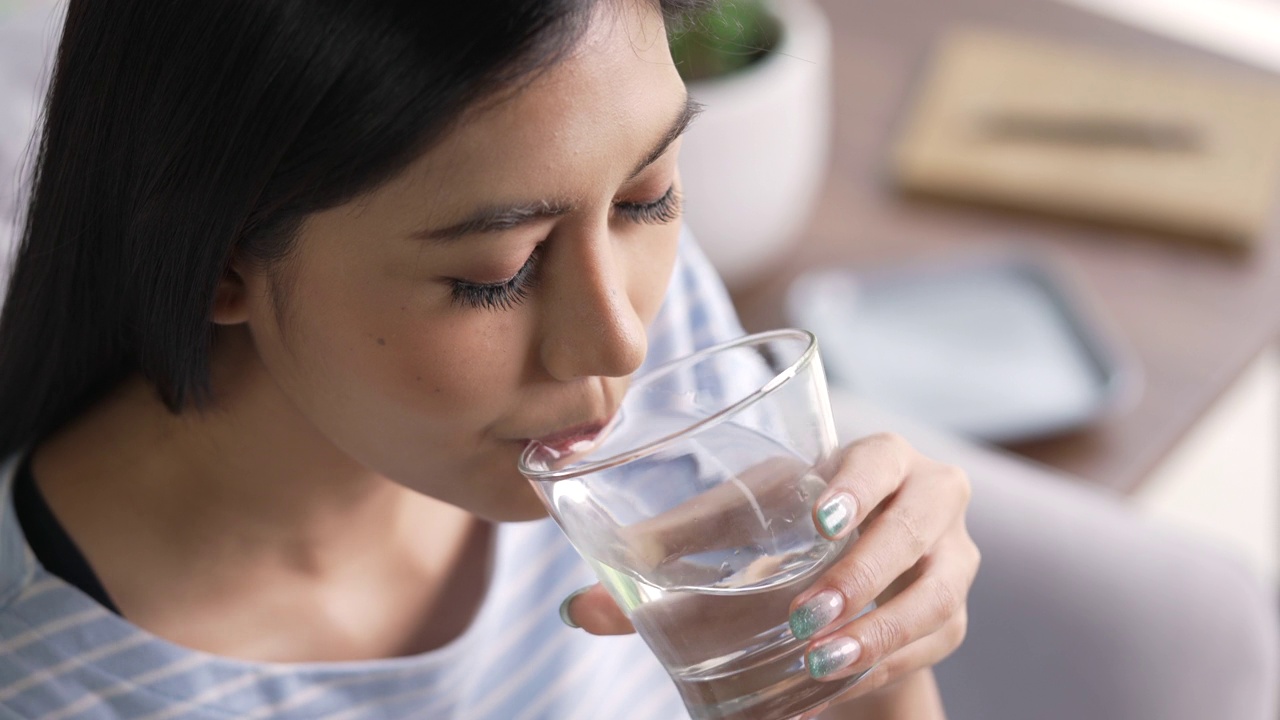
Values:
[(695, 508)]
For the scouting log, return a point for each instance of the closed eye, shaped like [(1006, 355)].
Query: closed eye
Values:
[(664, 210), (503, 295)]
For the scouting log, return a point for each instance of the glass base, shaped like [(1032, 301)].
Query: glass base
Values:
[(774, 688)]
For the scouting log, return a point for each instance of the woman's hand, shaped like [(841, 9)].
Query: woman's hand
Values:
[(914, 558)]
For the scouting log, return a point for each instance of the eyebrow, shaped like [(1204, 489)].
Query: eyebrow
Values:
[(691, 109), (497, 219), (507, 217)]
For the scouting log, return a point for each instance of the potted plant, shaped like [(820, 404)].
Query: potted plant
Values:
[(753, 164)]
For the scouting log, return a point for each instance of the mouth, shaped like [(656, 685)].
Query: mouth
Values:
[(572, 440)]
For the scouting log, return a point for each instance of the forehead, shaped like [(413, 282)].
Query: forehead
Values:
[(579, 124)]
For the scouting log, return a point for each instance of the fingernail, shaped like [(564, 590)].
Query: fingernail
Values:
[(816, 613), (564, 608), (836, 513), (832, 657)]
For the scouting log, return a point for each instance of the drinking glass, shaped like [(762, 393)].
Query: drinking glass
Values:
[(695, 508)]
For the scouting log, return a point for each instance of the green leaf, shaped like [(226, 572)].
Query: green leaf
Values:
[(728, 36)]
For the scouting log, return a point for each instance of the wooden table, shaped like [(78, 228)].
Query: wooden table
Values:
[(1194, 317)]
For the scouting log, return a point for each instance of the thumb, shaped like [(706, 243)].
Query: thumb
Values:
[(593, 610)]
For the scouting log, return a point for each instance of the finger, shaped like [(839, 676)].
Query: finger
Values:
[(927, 607), (814, 713), (593, 610), (868, 471), (923, 653), (913, 522)]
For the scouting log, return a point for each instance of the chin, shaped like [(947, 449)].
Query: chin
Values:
[(515, 507), (513, 500), (518, 514)]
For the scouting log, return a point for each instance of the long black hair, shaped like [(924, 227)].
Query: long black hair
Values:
[(180, 133)]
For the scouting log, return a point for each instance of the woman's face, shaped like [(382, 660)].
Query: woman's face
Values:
[(500, 288)]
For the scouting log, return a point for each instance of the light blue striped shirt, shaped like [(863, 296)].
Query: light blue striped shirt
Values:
[(63, 656)]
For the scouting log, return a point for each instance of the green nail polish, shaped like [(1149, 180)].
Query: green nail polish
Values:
[(832, 657), (564, 608), (835, 514), (817, 613)]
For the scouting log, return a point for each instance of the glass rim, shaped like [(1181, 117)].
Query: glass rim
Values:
[(803, 360)]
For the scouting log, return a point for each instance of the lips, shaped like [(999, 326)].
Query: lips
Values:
[(576, 439), (569, 420)]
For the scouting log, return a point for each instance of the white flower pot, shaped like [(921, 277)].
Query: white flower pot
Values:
[(753, 163)]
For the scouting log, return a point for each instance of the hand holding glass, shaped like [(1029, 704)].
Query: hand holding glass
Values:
[(695, 508)]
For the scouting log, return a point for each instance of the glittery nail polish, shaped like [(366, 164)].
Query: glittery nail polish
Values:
[(818, 612), (836, 513), (832, 657)]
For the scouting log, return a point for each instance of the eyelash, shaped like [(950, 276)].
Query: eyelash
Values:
[(659, 212), (508, 294), (498, 296)]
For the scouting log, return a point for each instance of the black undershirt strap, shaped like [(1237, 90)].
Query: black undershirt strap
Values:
[(55, 550)]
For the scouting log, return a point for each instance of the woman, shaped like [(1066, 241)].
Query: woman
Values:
[(298, 282)]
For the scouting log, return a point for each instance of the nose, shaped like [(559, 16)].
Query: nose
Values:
[(590, 324)]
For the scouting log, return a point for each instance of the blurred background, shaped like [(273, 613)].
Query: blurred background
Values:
[(1047, 226)]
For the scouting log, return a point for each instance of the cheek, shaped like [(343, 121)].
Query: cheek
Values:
[(461, 364), (651, 261), (390, 374)]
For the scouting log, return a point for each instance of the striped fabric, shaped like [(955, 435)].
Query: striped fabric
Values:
[(64, 657)]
